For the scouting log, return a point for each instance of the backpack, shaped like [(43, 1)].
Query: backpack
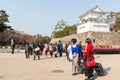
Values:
[(78, 50), (31, 46), (60, 47)]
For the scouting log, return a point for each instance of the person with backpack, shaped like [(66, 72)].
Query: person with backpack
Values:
[(30, 48), (60, 48), (75, 48)]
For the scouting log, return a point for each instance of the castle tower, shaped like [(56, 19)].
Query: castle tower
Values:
[(93, 20)]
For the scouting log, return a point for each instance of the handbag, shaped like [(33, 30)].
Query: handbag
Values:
[(90, 62), (70, 56), (37, 49)]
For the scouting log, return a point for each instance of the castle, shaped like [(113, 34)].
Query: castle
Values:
[(94, 25), (93, 20)]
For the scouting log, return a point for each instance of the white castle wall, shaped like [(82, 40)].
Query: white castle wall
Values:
[(92, 26)]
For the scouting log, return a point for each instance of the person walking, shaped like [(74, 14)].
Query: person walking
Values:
[(26, 51), (88, 54), (60, 48), (13, 48), (55, 49), (41, 46), (51, 49), (30, 48), (46, 49), (36, 51)]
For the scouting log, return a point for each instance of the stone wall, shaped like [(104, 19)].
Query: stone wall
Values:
[(107, 39)]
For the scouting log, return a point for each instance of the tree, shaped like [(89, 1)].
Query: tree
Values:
[(117, 21), (3, 16), (46, 39), (116, 17), (3, 20), (7, 35), (60, 25), (117, 24), (39, 38), (66, 31)]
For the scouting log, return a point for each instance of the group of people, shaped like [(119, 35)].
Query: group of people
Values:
[(79, 57), (39, 48), (74, 53)]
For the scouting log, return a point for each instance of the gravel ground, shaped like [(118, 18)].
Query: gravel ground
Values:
[(17, 67)]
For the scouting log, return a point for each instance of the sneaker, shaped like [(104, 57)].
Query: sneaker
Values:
[(92, 78), (74, 74)]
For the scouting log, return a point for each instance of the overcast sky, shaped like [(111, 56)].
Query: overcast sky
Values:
[(41, 16)]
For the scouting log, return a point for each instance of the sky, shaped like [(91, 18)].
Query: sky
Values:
[(41, 16)]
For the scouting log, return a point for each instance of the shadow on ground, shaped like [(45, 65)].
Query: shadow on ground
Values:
[(107, 69), (42, 58), (1, 77), (97, 57)]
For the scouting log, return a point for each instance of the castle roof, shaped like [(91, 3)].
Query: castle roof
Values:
[(95, 10)]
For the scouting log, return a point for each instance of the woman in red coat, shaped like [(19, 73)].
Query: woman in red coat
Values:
[(88, 52)]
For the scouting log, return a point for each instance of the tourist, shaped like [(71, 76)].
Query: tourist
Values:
[(37, 49), (13, 48), (30, 48), (88, 53), (41, 46), (60, 48), (80, 44), (26, 51), (66, 46), (46, 48), (76, 54), (51, 49), (69, 51), (55, 49)]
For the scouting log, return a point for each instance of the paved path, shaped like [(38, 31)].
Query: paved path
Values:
[(16, 67)]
